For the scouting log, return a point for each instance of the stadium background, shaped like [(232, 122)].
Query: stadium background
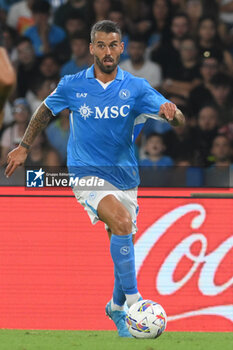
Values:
[(44, 254)]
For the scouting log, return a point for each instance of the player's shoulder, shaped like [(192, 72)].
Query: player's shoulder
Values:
[(137, 84), (74, 78)]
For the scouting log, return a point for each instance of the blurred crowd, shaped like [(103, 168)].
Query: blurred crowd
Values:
[(184, 48)]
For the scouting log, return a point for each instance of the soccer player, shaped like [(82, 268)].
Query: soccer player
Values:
[(7, 78), (107, 105)]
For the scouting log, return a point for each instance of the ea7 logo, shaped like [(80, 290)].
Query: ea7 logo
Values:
[(81, 94)]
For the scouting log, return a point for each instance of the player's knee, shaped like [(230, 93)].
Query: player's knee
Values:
[(123, 225)]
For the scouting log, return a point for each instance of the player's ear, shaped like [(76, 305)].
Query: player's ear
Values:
[(122, 47), (91, 49)]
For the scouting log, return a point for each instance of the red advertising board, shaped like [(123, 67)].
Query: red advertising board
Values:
[(56, 271)]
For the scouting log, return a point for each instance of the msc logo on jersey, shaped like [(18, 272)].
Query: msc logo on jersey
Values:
[(85, 111), (104, 113), (124, 94), (35, 178)]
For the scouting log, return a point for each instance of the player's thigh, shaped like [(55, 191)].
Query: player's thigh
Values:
[(115, 215), (129, 199)]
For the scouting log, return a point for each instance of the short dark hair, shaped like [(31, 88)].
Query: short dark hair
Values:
[(139, 38), (41, 6), (155, 134), (105, 26), (180, 14), (207, 18), (117, 7), (75, 16), (188, 37), (209, 105), (221, 135), (221, 79), (24, 39), (51, 56), (79, 35)]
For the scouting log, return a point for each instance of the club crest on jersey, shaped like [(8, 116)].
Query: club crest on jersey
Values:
[(124, 94)]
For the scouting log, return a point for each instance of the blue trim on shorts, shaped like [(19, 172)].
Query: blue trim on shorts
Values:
[(91, 207)]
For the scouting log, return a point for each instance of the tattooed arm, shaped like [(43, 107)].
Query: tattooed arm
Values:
[(38, 122)]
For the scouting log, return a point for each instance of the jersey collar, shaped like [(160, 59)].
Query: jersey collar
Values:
[(90, 73)]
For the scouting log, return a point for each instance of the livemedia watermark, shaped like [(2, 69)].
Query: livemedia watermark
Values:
[(37, 178)]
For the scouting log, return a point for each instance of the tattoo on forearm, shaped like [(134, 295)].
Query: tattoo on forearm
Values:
[(179, 119), (38, 122)]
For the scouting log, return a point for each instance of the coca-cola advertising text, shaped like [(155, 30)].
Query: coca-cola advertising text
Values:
[(56, 271)]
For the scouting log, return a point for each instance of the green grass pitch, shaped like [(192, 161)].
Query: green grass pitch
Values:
[(104, 340)]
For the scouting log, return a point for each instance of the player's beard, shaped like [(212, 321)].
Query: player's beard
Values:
[(107, 69)]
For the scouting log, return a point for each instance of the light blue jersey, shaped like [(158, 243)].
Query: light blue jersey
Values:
[(103, 122)]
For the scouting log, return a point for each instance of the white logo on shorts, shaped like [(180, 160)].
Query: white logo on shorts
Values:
[(92, 196), (125, 250)]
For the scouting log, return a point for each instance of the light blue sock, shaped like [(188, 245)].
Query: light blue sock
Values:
[(122, 251), (118, 294)]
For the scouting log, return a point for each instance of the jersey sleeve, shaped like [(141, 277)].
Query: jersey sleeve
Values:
[(58, 100), (147, 105), (149, 99)]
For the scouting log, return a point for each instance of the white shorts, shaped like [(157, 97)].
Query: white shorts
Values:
[(90, 199)]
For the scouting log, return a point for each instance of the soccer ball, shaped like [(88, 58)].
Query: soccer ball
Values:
[(146, 319)]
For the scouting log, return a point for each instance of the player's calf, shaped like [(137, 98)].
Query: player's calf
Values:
[(118, 219)]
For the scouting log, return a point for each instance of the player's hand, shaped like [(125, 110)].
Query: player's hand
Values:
[(168, 110), (172, 114), (14, 159)]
